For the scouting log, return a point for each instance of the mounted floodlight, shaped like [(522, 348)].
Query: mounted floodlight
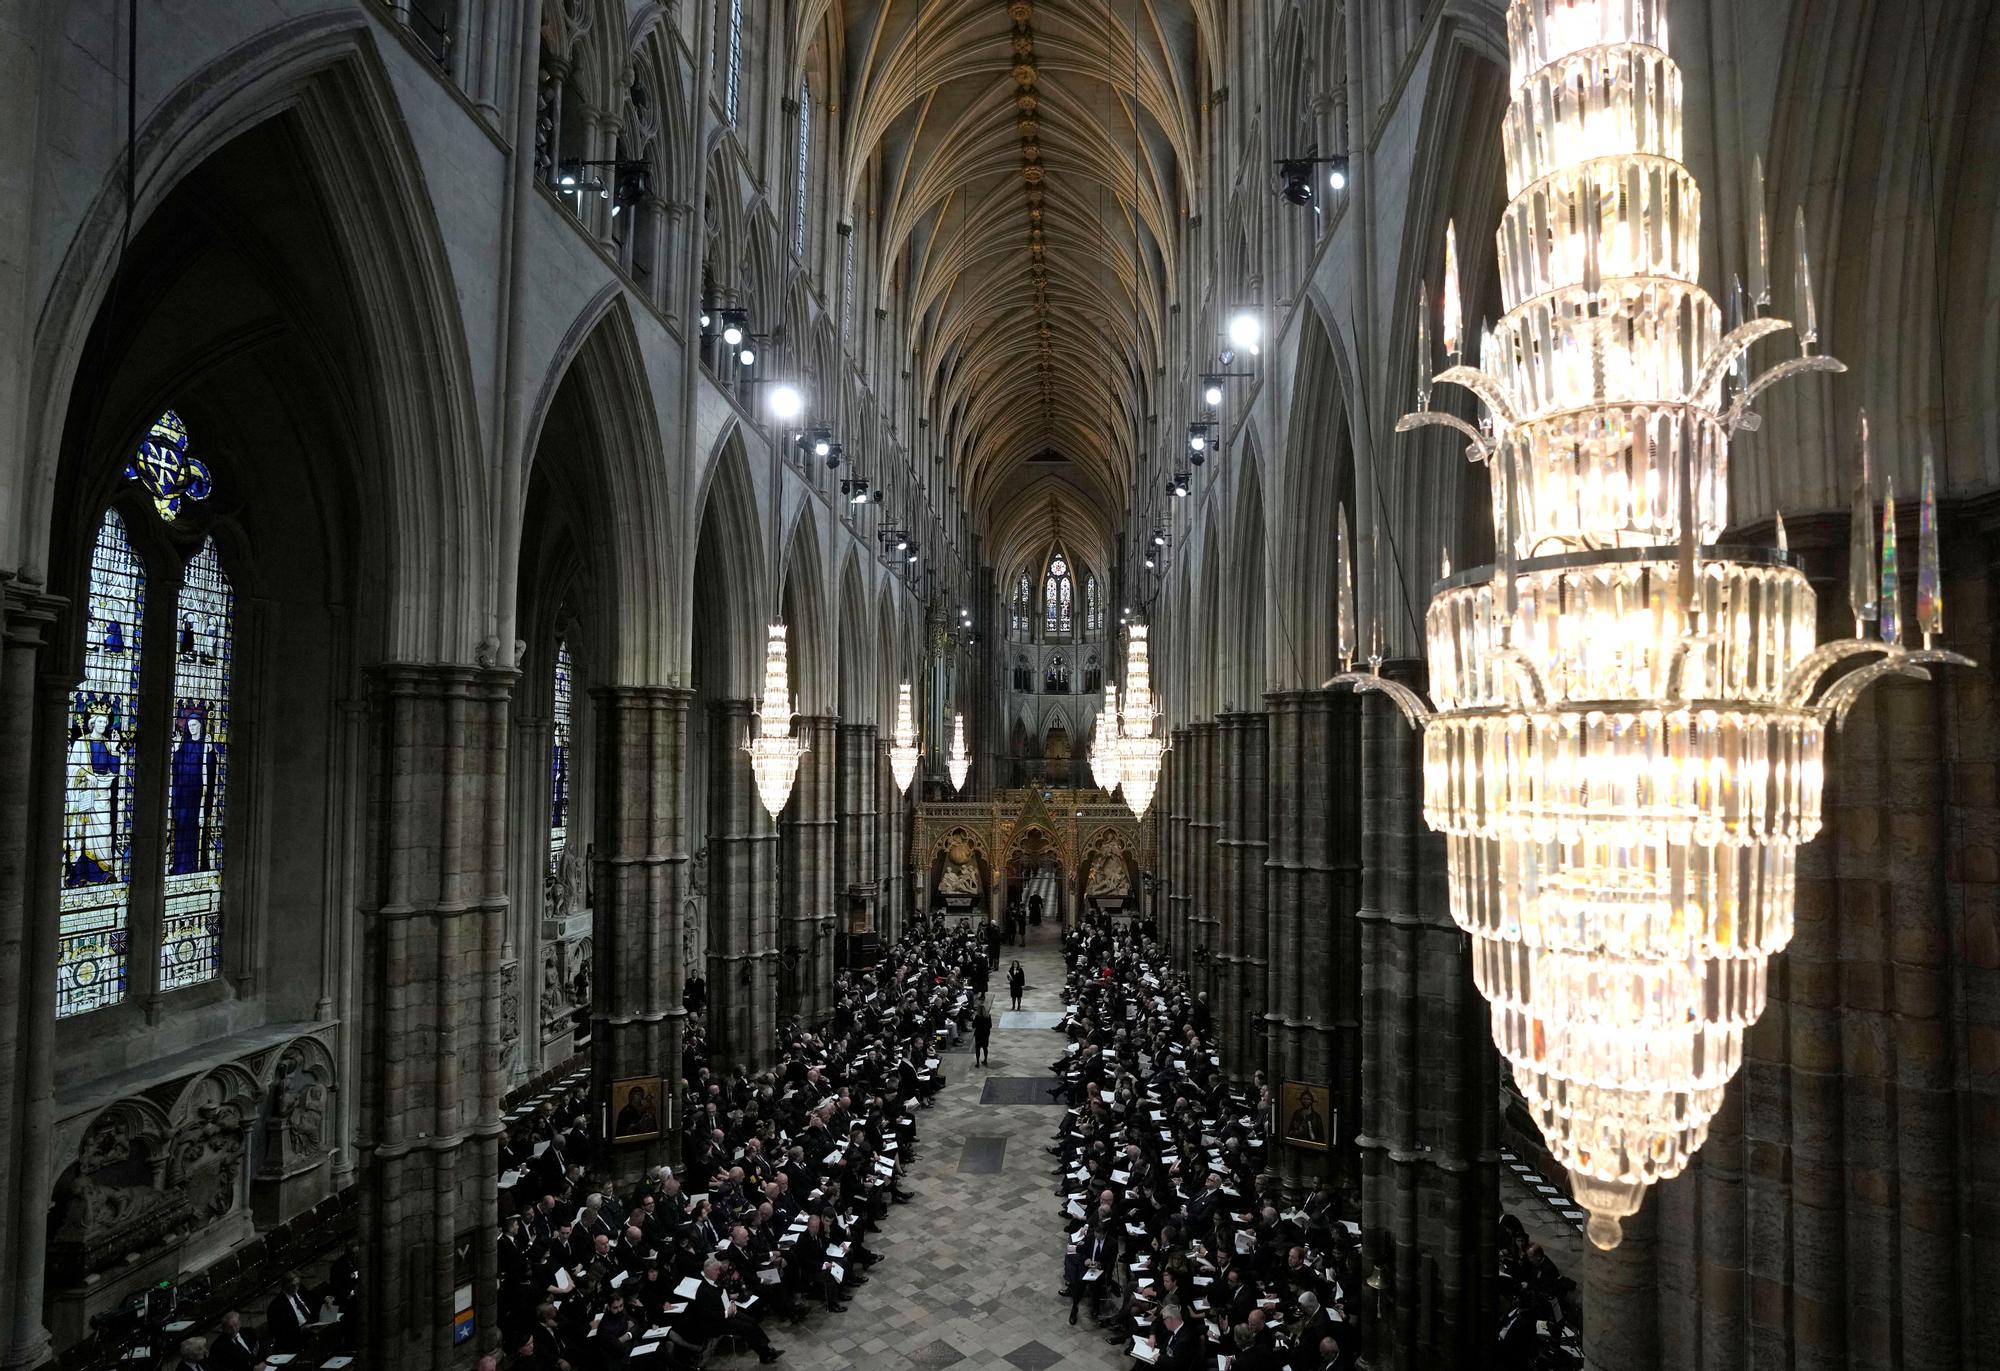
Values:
[(748, 356), (822, 445), (860, 496), (786, 402), (1246, 331), (1295, 182), (1211, 394)]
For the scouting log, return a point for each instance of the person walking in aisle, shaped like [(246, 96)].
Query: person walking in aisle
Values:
[(1017, 981), (982, 1034)]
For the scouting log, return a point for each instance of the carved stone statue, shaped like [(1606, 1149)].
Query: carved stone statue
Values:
[(960, 875), (1109, 879), (298, 1106), (555, 1001)]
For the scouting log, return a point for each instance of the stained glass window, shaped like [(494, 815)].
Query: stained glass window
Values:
[(1056, 598), (802, 174), (847, 288), (98, 780), (1023, 598), (733, 83), (1093, 610), (559, 760), (197, 774)]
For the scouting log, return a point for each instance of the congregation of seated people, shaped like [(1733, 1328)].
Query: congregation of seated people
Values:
[(783, 1175), (1179, 1242)]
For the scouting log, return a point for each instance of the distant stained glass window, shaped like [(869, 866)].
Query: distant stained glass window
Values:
[(802, 175), (197, 773), (1056, 598), (98, 776), (733, 86), (1093, 607)]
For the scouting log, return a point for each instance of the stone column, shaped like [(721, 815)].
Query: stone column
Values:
[(1429, 1183), (431, 1083), (1176, 919), (1312, 1008), (743, 914), (641, 872), (858, 867), (806, 872), (33, 704), (1204, 924), (1226, 991), (893, 815), (1242, 739)]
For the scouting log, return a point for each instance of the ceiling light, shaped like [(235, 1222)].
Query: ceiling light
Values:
[(1628, 742), (774, 752), (1212, 394), (707, 319), (786, 402), (959, 763), (747, 357), (1139, 751), (1197, 440), (903, 751), (1336, 177), (1246, 331), (822, 445), (732, 333)]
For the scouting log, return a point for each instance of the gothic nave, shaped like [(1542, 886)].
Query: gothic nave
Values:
[(1429, 567)]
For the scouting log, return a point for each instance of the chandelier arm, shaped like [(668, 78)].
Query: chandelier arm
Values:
[(1845, 693), (1528, 673), (1486, 388), (1480, 450), (1735, 345), (1739, 411), (1807, 672), (1411, 705)]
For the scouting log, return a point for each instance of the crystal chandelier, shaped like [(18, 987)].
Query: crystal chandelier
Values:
[(959, 764), (1104, 745), (1627, 744), (1139, 751), (774, 752), (903, 752)]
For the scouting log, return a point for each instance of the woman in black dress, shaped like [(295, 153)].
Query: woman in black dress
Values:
[(1017, 981)]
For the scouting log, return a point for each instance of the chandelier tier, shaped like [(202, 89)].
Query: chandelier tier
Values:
[(959, 763), (1139, 752), (774, 751), (1104, 743), (1627, 743), (903, 751)]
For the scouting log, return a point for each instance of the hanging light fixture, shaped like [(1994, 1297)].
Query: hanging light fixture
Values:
[(903, 752), (1105, 746), (959, 764), (774, 752), (1139, 752), (1627, 745)]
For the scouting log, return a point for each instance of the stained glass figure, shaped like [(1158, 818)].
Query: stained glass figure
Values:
[(98, 776), (559, 760), (1024, 595), (197, 773), (1056, 598), (1093, 609), (802, 173), (164, 468)]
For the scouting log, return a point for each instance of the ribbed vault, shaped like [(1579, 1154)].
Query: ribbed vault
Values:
[(1021, 166)]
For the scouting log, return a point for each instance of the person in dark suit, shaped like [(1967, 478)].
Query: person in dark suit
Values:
[(982, 1034), (1097, 1252), (1017, 983), (288, 1317), (1182, 1348), (193, 1355), (232, 1348), (712, 1314)]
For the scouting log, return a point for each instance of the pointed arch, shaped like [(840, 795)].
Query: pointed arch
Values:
[(804, 613), (727, 625)]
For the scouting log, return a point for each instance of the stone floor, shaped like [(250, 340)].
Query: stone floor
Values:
[(971, 1267)]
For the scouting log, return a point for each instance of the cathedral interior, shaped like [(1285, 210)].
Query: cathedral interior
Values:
[(546, 543)]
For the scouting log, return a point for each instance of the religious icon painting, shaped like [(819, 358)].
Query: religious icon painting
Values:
[(1305, 1113), (636, 1114)]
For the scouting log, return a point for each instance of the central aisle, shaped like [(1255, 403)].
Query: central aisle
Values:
[(972, 1266)]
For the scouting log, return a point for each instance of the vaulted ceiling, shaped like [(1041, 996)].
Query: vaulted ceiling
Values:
[(1024, 166)]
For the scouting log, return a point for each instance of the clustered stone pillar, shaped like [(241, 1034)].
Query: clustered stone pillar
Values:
[(431, 1083), (893, 815), (641, 865), (806, 872), (1204, 881), (743, 915), (1177, 922), (1429, 1096), (1311, 1001), (33, 703), (858, 866), (1242, 739)]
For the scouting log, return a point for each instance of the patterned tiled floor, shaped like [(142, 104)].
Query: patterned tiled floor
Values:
[(972, 1266)]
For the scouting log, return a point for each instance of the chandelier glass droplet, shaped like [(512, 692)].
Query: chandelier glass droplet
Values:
[(1104, 744), (959, 763)]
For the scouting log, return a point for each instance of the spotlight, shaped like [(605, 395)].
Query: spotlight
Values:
[(1179, 485), (1297, 187), (902, 544), (633, 180), (747, 357), (1336, 176), (822, 446), (878, 497), (1246, 331), (786, 402), (1197, 437), (1159, 538), (833, 456), (1149, 562), (732, 329), (860, 496), (707, 319), (1212, 394)]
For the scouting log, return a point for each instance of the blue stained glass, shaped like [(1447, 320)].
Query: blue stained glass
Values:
[(559, 745), (1056, 597), (162, 465), (197, 777), (98, 781)]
